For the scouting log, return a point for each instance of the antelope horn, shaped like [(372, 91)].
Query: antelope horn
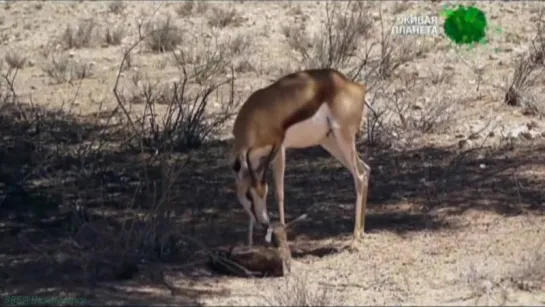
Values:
[(250, 169), (272, 154)]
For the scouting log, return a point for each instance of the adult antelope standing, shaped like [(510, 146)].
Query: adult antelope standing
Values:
[(302, 109)]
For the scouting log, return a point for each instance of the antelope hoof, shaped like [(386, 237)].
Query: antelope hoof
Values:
[(358, 235), (354, 246)]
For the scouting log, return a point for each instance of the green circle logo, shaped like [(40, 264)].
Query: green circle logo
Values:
[(465, 25)]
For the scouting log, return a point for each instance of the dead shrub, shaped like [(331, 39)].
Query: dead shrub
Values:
[(394, 51), (205, 58), (49, 158), (538, 42), (527, 67), (405, 108), (117, 7), (62, 68), (180, 114), (15, 60), (375, 132), (114, 36), (163, 35), (520, 82), (337, 41), (81, 36), (107, 249), (344, 43), (221, 18)]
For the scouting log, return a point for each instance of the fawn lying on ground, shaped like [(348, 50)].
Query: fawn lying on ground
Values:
[(258, 261)]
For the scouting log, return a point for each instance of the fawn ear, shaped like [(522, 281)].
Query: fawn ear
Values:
[(300, 218)]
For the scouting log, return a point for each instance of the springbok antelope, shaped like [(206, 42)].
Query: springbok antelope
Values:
[(302, 109)]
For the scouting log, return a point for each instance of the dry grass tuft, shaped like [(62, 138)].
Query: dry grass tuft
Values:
[(81, 36), (484, 288), (221, 18), (15, 60), (527, 68), (62, 68), (114, 36), (297, 292), (531, 274), (163, 35), (202, 7), (337, 42), (186, 8), (117, 7), (240, 44)]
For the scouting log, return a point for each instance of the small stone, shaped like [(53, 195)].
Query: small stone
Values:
[(517, 132), (482, 166), (532, 125), (530, 135), (417, 106), (464, 144), (61, 258), (474, 136)]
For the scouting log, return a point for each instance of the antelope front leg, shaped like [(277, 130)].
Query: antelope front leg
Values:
[(251, 232), (279, 168)]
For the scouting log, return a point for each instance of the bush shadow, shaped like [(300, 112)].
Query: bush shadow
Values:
[(53, 173)]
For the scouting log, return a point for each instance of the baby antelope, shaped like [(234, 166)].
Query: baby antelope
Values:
[(258, 261)]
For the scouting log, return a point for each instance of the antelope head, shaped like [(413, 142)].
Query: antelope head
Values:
[(251, 185)]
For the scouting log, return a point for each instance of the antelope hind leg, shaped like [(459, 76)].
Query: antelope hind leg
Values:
[(346, 143)]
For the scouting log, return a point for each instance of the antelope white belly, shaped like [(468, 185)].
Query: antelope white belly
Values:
[(309, 132)]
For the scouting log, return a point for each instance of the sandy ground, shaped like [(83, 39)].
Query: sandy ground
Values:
[(455, 211)]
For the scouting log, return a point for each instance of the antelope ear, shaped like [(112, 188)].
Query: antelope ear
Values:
[(300, 218)]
